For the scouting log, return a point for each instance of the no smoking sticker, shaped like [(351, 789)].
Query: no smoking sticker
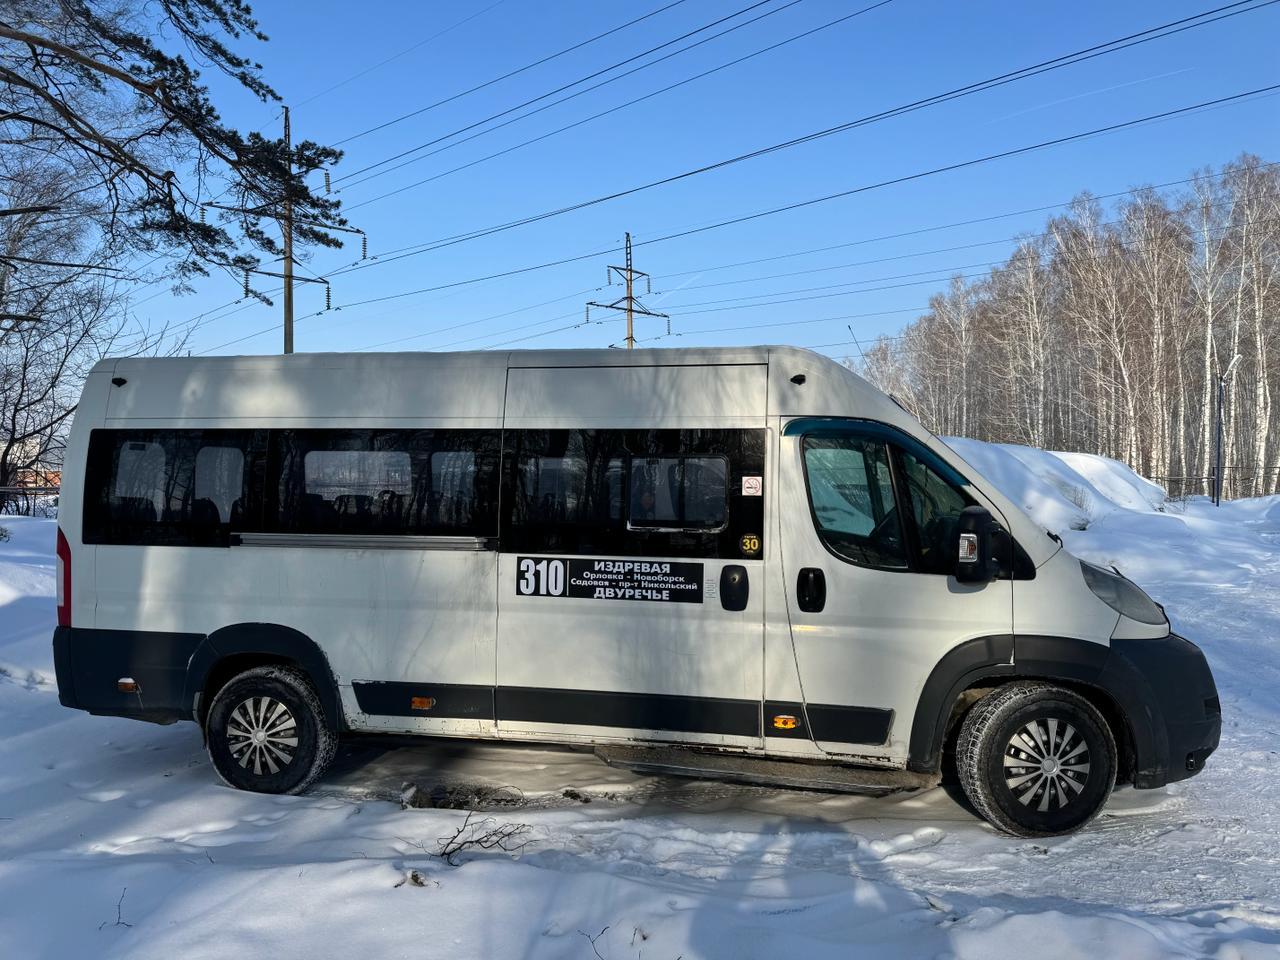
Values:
[(752, 486)]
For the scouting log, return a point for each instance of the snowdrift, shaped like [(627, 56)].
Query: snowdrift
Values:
[(1062, 491), (1106, 513)]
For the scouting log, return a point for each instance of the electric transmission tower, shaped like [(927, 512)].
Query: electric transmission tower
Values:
[(628, 303)]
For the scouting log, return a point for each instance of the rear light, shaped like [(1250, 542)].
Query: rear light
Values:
[(64, 580)]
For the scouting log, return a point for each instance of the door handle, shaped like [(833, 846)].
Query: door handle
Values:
[(811, 590), (735, 588)]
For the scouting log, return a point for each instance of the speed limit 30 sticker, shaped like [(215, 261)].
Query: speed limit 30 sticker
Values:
[(652, 580)]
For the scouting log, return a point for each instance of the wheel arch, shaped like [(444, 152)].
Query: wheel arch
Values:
[(233, 649), (972, 669)]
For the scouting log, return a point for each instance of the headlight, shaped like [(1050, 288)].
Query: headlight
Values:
[(1123, 596)]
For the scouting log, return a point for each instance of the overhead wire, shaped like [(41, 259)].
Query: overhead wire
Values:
[(507, 76), (406, 51), (1218, 13), (936, 275), (551, 93), (586, 90), (1079, 56), (941, 274), (1165, 185), (826, 198)]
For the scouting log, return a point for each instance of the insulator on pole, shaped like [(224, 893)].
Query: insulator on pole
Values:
[(326, 181), (328, 297), (246, 281), (202, 213), (364, 247)]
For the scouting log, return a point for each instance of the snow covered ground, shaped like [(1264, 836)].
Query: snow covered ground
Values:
[(116, 839)]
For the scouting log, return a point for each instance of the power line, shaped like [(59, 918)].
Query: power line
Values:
[(470, 323), (949, 226), (402, 53), (606, 251), (508, 75), (1080, 56), (948, 168), (945, 275), (785, 208), (564, 87), (579, 93), (788, 323), (1016, 238), (435, 289), (596, 116), (390, 255), (949, 273)]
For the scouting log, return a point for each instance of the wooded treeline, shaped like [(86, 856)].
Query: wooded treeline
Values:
[(1108, 332)]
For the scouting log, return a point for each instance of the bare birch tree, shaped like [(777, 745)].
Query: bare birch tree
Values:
[(1108, 332)]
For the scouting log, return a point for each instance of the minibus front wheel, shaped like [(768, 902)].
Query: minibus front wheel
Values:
[(1036, 759), (266, 731)]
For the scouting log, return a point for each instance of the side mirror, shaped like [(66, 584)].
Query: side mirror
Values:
[(974, 562)]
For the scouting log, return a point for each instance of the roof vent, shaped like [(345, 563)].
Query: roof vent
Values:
[(798, 379), (119, 381)]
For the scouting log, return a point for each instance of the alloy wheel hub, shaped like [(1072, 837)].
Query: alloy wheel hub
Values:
[(1046, 764), (262, 735)]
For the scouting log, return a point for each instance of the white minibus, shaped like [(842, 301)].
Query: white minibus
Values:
[(746, 563)]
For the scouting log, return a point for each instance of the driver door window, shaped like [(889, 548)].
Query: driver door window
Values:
[(854, 508), (935, 508)]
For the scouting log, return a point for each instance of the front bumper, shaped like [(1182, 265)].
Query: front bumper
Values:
[(1166, 689)]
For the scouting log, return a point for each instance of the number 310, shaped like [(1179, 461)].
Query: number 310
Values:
[(543, 578)]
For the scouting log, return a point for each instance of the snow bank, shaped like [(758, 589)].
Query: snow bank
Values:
[(1061, 491), (1106, 513)]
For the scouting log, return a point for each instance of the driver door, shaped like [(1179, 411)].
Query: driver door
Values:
[(868, 553)]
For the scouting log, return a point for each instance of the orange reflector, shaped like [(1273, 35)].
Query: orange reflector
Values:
[(128, 685), (421, 703), (784, 722)]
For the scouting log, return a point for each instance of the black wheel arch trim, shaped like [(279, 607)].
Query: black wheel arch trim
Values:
[(269, 640), (960, 668), (1146, 681)]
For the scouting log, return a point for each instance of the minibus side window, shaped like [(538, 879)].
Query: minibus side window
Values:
[(219, 482), (695, 493), (384, 482), (569, 485), (678, 493), (935, 508), (164, 487), (851, 492)]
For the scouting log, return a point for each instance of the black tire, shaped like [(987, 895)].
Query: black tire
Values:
[(1036, 760), (266, 732)]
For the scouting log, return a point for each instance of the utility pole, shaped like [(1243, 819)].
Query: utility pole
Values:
[(287, 226), (628, 304), (285, 219)]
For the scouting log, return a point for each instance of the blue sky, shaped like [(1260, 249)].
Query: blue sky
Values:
[(898, 53)]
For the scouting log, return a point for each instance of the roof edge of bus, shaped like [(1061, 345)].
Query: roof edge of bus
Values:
[(555, 357)]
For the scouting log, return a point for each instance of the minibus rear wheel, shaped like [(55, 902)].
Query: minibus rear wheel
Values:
[(266, 731), (1036, 759)]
